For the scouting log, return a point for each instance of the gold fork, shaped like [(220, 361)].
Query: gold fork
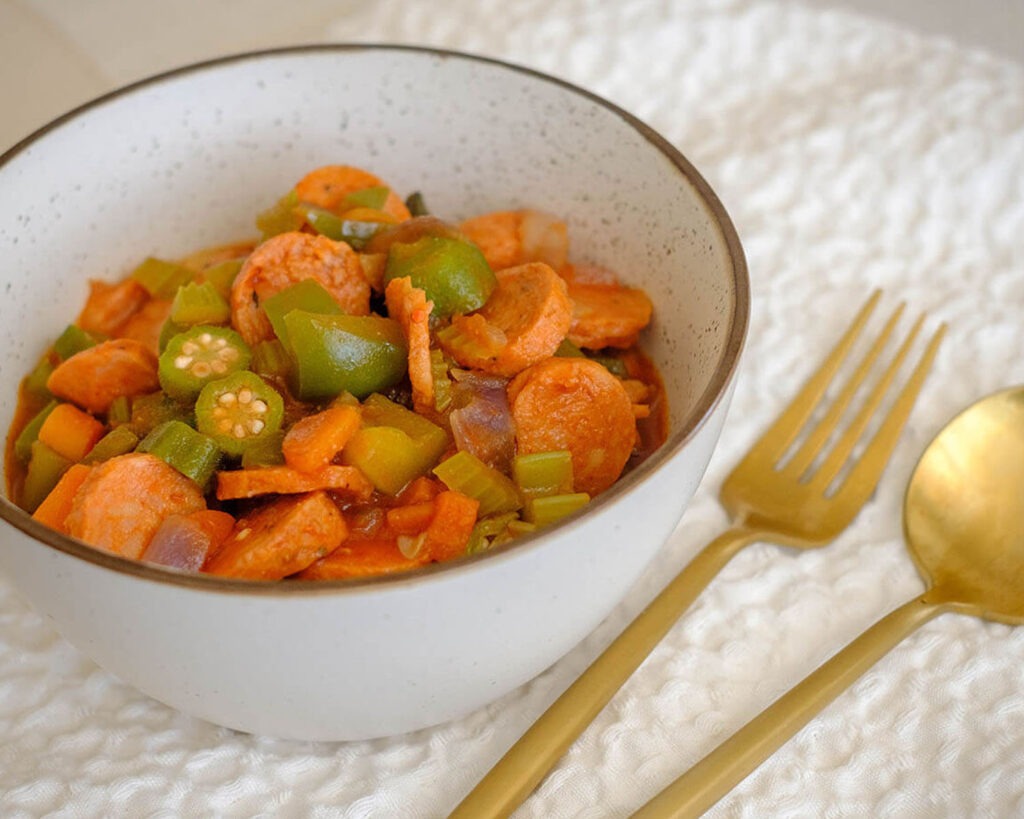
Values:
[(791, 502)]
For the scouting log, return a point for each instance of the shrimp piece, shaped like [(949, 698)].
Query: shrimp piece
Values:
[(607, 315), (514, 237), (123, 501), (327, 187), (93, 378), (410, 307), (281, 538), (288, 258), (109, 306), (529, 309), (146, 324), (575, 404)]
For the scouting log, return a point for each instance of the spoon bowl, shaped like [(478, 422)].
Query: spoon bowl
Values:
[(964, 511)]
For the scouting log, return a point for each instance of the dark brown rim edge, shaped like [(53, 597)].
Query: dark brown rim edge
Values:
[(710, 399)]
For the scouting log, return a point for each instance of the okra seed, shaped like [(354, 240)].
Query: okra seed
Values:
[(220, 342), (227, 353), (224, 425), (239, 431), (256, 427), (219, 412), (244, 396), (182, 362), (219, 367), (206, 339), (226, 398), (201, 369), (259, 407), (190, 348)]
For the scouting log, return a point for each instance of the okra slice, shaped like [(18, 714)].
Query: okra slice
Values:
[(193, 454), (239, 411), (198, 356), (118, 441)]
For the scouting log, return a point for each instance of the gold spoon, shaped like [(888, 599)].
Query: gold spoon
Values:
[(964, 523)]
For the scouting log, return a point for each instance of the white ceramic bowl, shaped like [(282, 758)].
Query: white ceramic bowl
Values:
[(184, 160)]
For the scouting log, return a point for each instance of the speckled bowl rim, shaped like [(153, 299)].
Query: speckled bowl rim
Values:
[(619, 493)]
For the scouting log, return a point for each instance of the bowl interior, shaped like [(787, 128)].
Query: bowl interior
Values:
[(188, 159)]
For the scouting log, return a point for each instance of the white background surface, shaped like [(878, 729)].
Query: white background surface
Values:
[(852, 152)]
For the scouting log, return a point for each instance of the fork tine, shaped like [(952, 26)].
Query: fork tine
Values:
[(861, 481), (805, 455), (784, 430)]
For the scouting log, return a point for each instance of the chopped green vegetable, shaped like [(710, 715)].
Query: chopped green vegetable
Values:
[(442, 383), (271, 359), (162, 279), (223, 275), (198, 356), (568, 350), (486, 530), (199, 304), (466, 473), (373, 198), (358, 354), (387, 456), (149, 411), (543, 473), (193, 454), (266, 452), (73, 340), (354, 232), (308, 295), (239, 411), (548, 510), (454, 274), (30, 432), (616, 366), (379, 411), (35, 381), (282, 217), (120, 411), (116, 442), (167, 332), (44, 470), (416, 204)]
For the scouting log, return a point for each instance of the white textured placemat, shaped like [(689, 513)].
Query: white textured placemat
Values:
[(850, 154)]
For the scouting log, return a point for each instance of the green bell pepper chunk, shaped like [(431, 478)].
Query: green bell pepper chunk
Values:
[(373, 198), (357, 354), (454, 274), (222, 276), (199, 304), (73, 340), (35, 381), (308, 295), (387, 456), (162, 279), (283, 216), (354, 232)]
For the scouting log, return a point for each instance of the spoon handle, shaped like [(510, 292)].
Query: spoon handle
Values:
[(725, 767), (517, 773)]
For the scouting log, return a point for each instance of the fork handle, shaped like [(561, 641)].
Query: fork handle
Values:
[(522, 768), (725, 767)]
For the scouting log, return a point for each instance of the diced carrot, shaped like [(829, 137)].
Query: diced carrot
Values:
[(531, 309), (410, 307), (327, 187), (607, 315), (410, 519), (123, 501), (575, 404), (451, 526), (283, 480), (70, 432), (109, 306), (93, 378), (313, 441), (54, 509), (362, 558), (420, 490), (281, 538)]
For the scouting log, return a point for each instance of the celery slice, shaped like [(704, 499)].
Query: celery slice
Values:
[(116, 442), (543, 473), (465, 473), (442, 383), (161, 278), (193, 454), (374, 198), (487, 530), (44, 470), (548, 510), (199, 304), (30, 433), (73, 340)]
